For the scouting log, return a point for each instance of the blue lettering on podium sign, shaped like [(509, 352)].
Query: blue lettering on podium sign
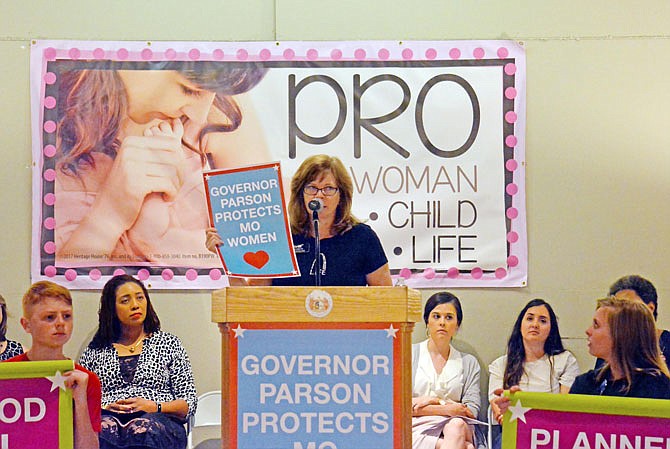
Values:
[(319, 389)]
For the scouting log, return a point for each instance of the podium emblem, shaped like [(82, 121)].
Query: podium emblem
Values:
[(319, 303)]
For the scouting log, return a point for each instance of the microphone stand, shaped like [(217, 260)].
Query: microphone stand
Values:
[(317, 247)]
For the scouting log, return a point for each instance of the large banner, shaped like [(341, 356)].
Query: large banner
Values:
[(35, 406), (432, 134), (555, 421)]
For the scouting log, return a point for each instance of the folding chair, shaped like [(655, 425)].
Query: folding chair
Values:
[(208, 413)]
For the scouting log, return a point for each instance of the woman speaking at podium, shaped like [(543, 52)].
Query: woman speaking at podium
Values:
[(350, 251)]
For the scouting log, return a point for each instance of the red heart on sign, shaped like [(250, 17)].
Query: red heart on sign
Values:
[(257, 259)]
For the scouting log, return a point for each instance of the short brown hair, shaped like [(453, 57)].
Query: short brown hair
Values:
[(311, 169), (42, 290), (642, 287)]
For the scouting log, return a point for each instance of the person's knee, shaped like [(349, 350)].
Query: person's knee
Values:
[(456, 427)]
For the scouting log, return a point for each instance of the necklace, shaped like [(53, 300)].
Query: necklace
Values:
[(133, 347)]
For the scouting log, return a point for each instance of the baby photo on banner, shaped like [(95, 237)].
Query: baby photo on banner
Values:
[(432, 134)]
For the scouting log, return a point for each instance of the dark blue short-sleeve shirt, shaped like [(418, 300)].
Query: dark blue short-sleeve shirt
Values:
[(347, 258)]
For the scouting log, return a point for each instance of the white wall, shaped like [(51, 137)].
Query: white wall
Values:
[(598, 153)]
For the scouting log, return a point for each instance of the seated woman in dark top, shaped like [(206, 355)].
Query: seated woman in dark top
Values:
[(351, 253), (623, 334), (148, 390)]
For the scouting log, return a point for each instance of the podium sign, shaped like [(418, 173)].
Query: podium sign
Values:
[(317, 381), (327, 386)]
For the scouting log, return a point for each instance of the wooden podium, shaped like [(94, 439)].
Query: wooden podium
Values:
[(318, 368)]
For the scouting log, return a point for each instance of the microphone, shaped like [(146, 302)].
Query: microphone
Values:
[(315, 205)]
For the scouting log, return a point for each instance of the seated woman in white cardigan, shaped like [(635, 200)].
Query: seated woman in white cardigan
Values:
[(445, 392)]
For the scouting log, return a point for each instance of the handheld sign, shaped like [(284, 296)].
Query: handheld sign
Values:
[(247, 207), (574, 421), (35, 406)]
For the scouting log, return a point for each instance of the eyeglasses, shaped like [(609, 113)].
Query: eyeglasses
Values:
[(327, 191)]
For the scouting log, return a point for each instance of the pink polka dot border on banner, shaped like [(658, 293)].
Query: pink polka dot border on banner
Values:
[(508, 56), (289, 51), (147, 54)]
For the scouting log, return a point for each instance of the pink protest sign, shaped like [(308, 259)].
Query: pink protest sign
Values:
[(548, 421), (35, 407)]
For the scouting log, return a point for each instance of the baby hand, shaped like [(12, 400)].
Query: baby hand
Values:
[(153, 219)]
